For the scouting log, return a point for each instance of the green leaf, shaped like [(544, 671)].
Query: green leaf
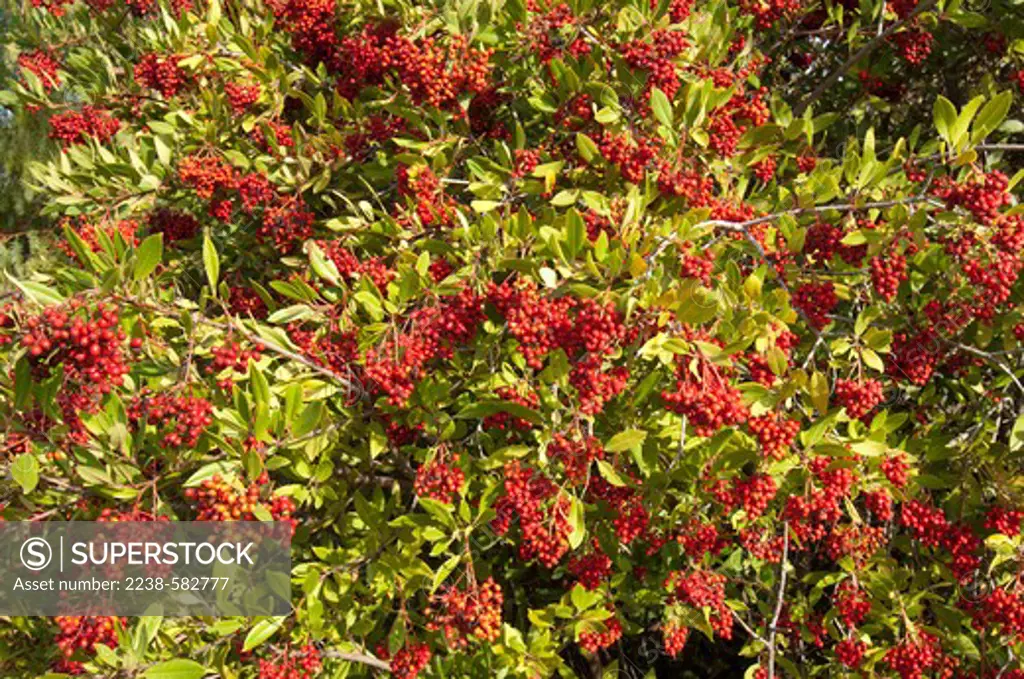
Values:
[(609, 473), (991, 116), (819, 392), (37, 292), (625, 440), (25, 472), (323, 267), (148, 255), (176, 669), (586, 147), (661, 107), (211, 261), (944, 116), (262, 631)]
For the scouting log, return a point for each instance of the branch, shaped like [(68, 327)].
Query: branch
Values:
[(858, 55), (991, 359), (361, 658), (773, 627)]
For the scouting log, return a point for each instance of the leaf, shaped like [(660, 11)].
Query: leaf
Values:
[(991, 116), (1017, 435), (323, 267), (609, 473), (211, 261), (661, 107), (37, 292), (148, 255), (819, 392), (625, 440), (176, 669), (586, 147), (222, 467), (25, 472), (944, 116), (262, 631)]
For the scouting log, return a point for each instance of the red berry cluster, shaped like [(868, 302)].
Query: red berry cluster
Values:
[(913, 657), (286, 225), (774, 434), (334, 349), (88, 343), (43, 65), (859, 397), (75, 127), (816, 301), (765, 168), (594, 641), (824, 240), (219, 500), (850, 652), (302, 664), (409, 661), (439, 480), (879, 503), (175, 226), (692, 184), (542, 512), (981, 194), (281, 132), (84, 633), (1003, 520), (762, 546), (913, 357), (851, 603), (1000, 609), (709, 403), (914, 45), (632, 155), (698, 266), (183, 419), (433, 207), (231, 355), (675, 637), (161, 73), (245, 302), (703, 589), (242, 96), (585, 329), (504, 421), (895, 468), (700, 538), (351, 267), (470, 614), (433, 333), (806, 162), (576, 455), (887, 273), (766, 14), (592, 569), (726, 126)]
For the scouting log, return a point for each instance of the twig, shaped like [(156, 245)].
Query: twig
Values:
[(834, 76), (361, 658), (773, 627)]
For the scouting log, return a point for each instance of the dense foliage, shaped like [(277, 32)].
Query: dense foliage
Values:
[(578, 338)]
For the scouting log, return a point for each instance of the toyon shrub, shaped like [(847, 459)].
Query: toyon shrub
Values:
[(639, 338)]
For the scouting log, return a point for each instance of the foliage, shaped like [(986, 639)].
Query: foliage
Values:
[(579, 339)]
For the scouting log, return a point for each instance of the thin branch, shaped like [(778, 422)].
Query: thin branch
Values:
[(361, 658), (773, 627), (835, 75)]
